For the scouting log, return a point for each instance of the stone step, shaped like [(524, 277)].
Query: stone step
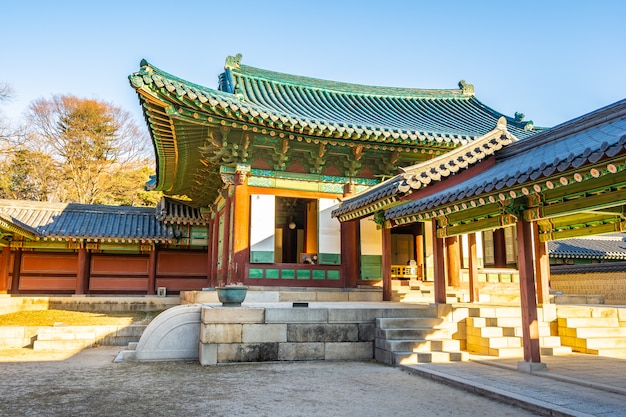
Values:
[(555, 350), (494, 342), (605, 342), (588, 322), (412, 358), (436, 345), (500, 352), (66, 335), (408, 323), (585, 332), (68, 344), (495, 312), (412, 334), (550, 341), (619, 353)]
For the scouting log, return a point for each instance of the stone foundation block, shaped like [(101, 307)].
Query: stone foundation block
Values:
[(290, 296), (367, 332), (247, 352), (296, 315), (353, 315), (365, 296), (332, 296), (260, 333), (233, 315), (322, 332), (207, 354), (349, 351), (301, 351), (221, 333)]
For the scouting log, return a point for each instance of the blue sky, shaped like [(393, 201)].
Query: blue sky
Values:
[(551, 60)]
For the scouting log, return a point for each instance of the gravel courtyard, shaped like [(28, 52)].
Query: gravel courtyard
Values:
[(90, 384)]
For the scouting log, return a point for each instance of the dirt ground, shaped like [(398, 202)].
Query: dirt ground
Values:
[(90, 384)]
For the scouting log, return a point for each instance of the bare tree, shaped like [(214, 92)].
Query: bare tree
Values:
[(90, 141)]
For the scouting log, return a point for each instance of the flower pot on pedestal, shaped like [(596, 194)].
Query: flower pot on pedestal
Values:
[(232, 296)]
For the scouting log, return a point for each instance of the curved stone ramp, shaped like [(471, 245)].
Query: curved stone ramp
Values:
[(172, 335)]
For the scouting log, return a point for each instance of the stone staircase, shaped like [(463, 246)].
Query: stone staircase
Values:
[(64, 338), (415, 291), (497, 331), (602, 336), (412, 340)]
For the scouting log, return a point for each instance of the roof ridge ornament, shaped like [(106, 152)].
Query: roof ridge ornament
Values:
[(466, 88), (233, 62)]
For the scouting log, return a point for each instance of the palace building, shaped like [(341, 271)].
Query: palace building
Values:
[(280, 180)]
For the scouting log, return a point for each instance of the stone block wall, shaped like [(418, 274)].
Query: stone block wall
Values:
[(609, 284), (256, 334)]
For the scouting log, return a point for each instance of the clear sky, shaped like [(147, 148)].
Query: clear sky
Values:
[(552, 60)]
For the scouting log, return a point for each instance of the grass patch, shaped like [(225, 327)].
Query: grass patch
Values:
[(75, 318)]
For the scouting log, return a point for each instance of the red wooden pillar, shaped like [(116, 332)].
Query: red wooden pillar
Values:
[(473, 268), (4, 269), (386, 264), (439, 266), (453, 258), (209, 249), (350, 253), (82, 273), (419, 249), (530, 324), (226, 266), (152, 270), (17, 266), (241, 228), (499, 248), (542, 267), (213, 256)]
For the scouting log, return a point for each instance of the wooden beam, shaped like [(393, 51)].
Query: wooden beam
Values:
[(530, 323), (562, 208)]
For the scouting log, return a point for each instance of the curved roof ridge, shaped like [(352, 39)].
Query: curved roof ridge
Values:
[(345, 87), (568, 128)]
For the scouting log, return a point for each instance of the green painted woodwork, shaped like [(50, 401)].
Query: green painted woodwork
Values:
[(303, 274), (255, 273), (333, 275), (318, 274), (288, 274), (261, 257), (272, 273), (329, 259), (371, 267)]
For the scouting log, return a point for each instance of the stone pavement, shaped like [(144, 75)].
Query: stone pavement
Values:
[(572, 385)]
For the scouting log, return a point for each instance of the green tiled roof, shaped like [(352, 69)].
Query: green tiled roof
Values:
[(454, 113), (257, 114)]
